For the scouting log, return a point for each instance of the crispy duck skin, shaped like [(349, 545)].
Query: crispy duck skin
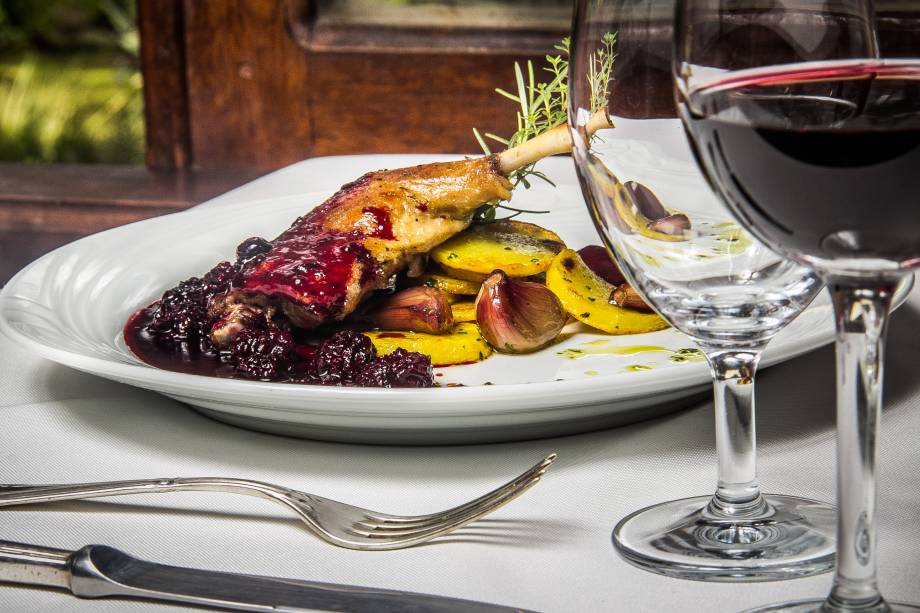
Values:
[(321, 268)]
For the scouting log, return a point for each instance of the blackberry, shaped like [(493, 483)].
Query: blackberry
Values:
[(341, 357), (221, 278), (180, 319), (251, 248), (176, 317), (399, 369), (266, 354)]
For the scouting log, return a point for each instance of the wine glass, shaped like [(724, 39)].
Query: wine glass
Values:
[(683, 251), (805, 117)]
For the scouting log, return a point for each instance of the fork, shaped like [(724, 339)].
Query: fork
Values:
[(335, 522)]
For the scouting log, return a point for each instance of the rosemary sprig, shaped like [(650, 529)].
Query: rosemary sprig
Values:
[(600, 70), (543, 106)]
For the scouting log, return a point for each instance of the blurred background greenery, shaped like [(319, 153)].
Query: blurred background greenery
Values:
[(70, 84)]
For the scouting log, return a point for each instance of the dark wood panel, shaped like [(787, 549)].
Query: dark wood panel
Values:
[(162, 35), (43, 207), (248, 85), (98, 185), (381, 102), (257, 98)]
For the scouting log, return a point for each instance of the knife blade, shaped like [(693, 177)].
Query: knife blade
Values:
[(98, 571)]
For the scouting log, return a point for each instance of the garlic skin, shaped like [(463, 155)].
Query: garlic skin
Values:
[(517, 316), (416, 309), (677, 224)]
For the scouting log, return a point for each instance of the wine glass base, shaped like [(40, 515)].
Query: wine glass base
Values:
[(817, 606), (680, 539)]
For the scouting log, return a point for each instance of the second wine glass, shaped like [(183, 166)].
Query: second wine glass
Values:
[(681, 249), (811, 135)]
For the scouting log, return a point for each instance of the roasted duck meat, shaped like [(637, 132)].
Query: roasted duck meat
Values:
[(321, 268), (329, 260)]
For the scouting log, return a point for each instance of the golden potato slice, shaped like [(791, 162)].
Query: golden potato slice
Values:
[(462, 345), (449, 285), (520, 249), (472, 277), (586, 296), (463, 311)]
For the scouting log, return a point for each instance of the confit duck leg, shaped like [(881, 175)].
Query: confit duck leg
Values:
[(321, 268)]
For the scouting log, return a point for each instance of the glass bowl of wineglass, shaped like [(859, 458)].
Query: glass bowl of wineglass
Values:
[(681, 248), (805, 117)]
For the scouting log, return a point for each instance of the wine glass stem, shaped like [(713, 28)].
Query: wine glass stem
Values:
[(861, 310), (738, 492)]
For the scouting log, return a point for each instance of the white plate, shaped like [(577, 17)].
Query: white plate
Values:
[(70, 306)]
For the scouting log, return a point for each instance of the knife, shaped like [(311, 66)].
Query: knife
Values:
[(97, 571)]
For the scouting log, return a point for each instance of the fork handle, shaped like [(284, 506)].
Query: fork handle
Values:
[(35, 494)]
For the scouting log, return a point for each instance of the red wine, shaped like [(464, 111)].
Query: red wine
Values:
[(820, 161)]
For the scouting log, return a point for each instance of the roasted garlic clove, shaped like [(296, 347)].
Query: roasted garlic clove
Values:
[(416, 309), (643, 213), (673, 225), (599, 261), (626, 297), (517, 316), (646, 200)]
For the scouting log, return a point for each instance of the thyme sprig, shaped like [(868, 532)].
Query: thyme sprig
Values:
[(543, 106)]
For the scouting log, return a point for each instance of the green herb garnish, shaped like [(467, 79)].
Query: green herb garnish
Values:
[(544, 107)]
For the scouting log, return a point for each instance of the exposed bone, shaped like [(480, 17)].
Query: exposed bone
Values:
[(555, 141)]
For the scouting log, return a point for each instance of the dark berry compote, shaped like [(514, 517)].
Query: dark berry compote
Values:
[(174, 334), (820, 160)]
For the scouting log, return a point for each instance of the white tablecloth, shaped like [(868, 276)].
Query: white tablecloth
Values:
[(548, 551)]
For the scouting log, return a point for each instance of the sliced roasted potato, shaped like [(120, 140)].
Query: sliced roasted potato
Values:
[(584, 295), (463, 311), (520, 249), (449, 285), (462, 345)]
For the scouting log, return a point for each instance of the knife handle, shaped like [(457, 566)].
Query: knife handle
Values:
[(35, 565)]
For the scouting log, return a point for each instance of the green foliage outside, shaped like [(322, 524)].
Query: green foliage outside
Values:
[(70, 88)]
